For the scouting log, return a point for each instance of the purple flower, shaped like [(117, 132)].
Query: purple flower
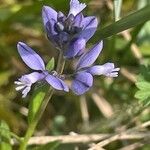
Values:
[(35, 62), (69, 33), (83, 78)]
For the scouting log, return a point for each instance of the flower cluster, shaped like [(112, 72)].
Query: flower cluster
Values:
[(69, 33)]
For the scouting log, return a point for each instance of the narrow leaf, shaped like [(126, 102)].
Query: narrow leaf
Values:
[(125, 23), (36, 102)]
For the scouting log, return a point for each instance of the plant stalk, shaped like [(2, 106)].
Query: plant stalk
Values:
[(32, 126)]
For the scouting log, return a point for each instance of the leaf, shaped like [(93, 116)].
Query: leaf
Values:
[(143, 84), (51, 64), (142, 95), (36, 101), (125, 23), (5, 136), (49, 146)]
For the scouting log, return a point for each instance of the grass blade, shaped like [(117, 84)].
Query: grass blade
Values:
[(125, 23)]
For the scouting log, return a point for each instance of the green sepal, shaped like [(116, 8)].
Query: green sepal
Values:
[(51, 64)]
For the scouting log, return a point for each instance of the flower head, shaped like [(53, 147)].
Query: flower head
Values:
[(35, 62), (70, 32), (83, 78)]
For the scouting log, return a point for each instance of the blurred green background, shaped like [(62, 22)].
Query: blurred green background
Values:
[(108, 107)]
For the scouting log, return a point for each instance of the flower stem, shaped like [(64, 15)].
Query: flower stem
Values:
[(32, 126)]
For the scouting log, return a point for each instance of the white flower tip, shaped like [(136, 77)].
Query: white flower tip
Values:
[(76, 7), (24, 95), (19, 88), (25, 92), (17, 82), (20, 43), (114, 74), (66, 89), (116, 69)]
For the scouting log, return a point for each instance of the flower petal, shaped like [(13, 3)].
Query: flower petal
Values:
[(26, 81), (25, 92), (90, 57), (49, 27), (30, 57), (75, 47), (89, 27), (48, 14), (65, 87), (56, 83), (107, 69), (33, 77), (82, 83), (76, 7), (78, 20)]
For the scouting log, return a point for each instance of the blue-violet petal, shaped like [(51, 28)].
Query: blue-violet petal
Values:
[(90, 57), (75, 47), (56, 83), (82, 83), (89, 25), (48, 14), (108, 69), (76, 7), (30, 57)]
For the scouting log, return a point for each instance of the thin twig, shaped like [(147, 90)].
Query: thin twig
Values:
[(121, 136), (103, 105), (134, 48), (124, 135), (132, 146), (130, 76), (85, 138), (131, 133), (84, 110)]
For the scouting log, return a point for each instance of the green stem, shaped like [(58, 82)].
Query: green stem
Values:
[(61, 63), (32, 126)]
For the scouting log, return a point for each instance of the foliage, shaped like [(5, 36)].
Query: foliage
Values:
[(21, 21), (5, 136), (143, 84)]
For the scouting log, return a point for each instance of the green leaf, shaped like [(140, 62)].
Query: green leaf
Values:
[(36, 102), (143, 84), (5, 136), (142, 95), (51, 64), (48, 146), (125, 23)]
